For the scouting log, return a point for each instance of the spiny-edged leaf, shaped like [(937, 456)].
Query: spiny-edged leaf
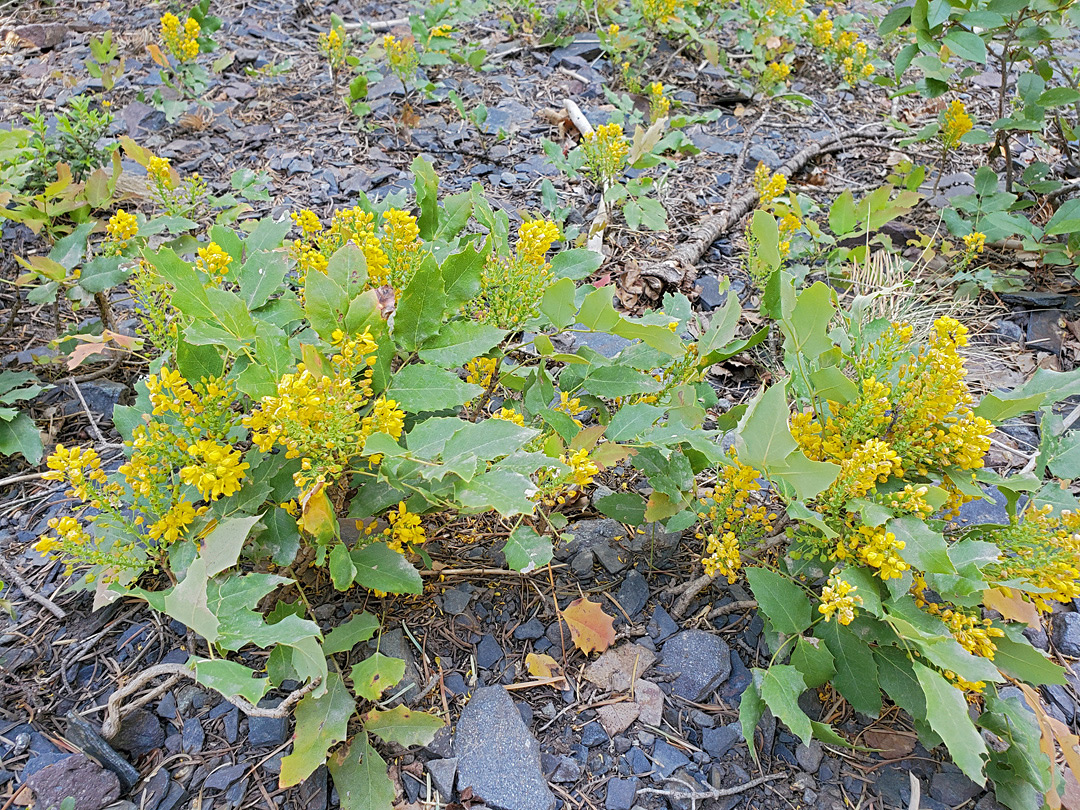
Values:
[(318, 517), (526, 550), (813, 660), (807, 477), (261, 276), (856, 671), (198, 362), (558, 303), (20, 435), (375, 674), (784, 602), (321, 723), (460, 341), (899, 681), (590, 628), (402, 726), (624, 507), (780, 689), (230, 678), (576, 263), (632, 420), (764, 434), (345, 636), (669, 473), (1020, 660), (221, 548), (947, 712), (751, 707), (924, 548), (461, 273), (619, 381), (541, 665), (420, 311), (359, 775), (380, 568), (486, 441), (342, 569), (504, 491), (189, 295), (187, 602), (868, 588), (421, 387), (325, 303)]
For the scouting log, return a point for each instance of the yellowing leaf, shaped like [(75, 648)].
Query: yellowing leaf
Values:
[(591, 629), (372, 676), (318, 514), (1012, 606), (320, 724), (542, 666), (402, 726)]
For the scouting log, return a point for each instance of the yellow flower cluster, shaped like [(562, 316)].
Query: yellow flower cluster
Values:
[(79, 466), (68, 537), (659, 12), (788, 226), (838, 597), (160, 172), (768, 186), (571, 406), (775, 73), (582, 468), (975, 242), (511, 287), (846, 50), (217, 471), (122, 228), (402, 56), (405, 529), (214, 261), (1043, 550), (606, 149), (307, 221), (730, 522), (821, 32), (334, 46), (181, 42), (535, 238), (510, 415), (783, 8), (955, 124), (659, 104), (480, 370)]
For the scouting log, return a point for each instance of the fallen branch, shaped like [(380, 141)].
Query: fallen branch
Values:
[(713, 793), (114, 713), (595, 239), (20, 583), (732, 607), (678, 267), (377, 27)]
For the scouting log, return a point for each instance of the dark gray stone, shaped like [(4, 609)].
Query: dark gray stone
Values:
[(894, 786), (621, 794), (140, 732), (1066, 633), (661, 625), (86, 737), (1045, 331), (314, 791), (990, 509), (39, 762), (668, 758), (593, 734), (497, 756), (488, 652), (952, 788), (442, 773), (710, 296), (230, 724), (633, 593), (75, 776), (718, 741), (566, 770), (989, 802), (809, 756), (638, 762), (530, 631), (267, 731), (586, 535), (193, 736), (759, 153), (602, 343), (456, 600), (222, 778), (613, 559), (103, 395), (1037, 636), (167, 707), (700, 660)]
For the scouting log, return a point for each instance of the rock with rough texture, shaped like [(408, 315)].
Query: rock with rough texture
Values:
[(621, 794), (718, 741), (140, 733), (633, 593), (497, 756), (1066, 631), (589, 534), (618, 667), (953, 788), (617, 717), (76, 776), (442, 773), (267, 731), (668, 758), (43, 36), (650, 701), (700, 660), (809, 756), (86, 737)]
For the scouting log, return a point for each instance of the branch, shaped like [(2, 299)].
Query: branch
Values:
[(110, 726), (713, 793), (29, 592)]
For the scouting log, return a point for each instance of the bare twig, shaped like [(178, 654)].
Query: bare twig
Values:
[(86, 409), (732, 607), (713, 793), (114, 712), (378, 26), (20, 583)]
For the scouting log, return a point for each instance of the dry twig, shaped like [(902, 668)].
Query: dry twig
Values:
[(20, 583)]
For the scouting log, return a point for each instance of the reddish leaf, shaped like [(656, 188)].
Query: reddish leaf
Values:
[(591, 629)]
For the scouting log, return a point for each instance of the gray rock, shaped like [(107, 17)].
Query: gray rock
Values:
[(103, 395), (222, 778), (193, 736), (566, 770), (76, 776), (700, 660), (530, 631), (952, 788), (661, 625), (456, 600), (718, 741), (442, 773), (621, 794), (1045, 331), (989, 802), (633, 593), (763, 154), (668, 758), (710, 296), (1037, 636), (1066, 633), (894, 786), (586, 535), (593, 734), (613, 559), (637, 761), (314, 792), (809, 756), (267, 731), (601, 342), (86, 737), (653, 538), (990, 509), (488, 652), (497, 756), (140, 732)]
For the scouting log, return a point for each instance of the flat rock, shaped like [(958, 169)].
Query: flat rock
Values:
[(1045, 331), (633, 593), (140, 733), (75, 776), (668, 758), (621, 794), (588, 534), (593, 734), (267, 731), (700, 660), (718, 741), (1066, 633), (40, 35), (617, 668), (952, 788), (442, 773), (650, 700), (497, 755), (617, 717)]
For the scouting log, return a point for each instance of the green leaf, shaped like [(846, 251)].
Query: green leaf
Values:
[(461, 274), (856, 672), (504, 491), (20, 435), (230, 678), (103, 273), (947, 713), (784, 602), (558, 303), (618, 381), (751, 707), (813, 660), (344, 637), (485, 441), (631, 421), (764, 434), (597, 312), (221, 548), (924, 548), (807, 477), (342, 570), (325, 303), (1020, 660), (526, 550), (380, 568), (261, 276), (658, 337), (375, 674), (999, 408), (966, 45), (187, 602), (806, 329), (421, 387), (831, 383), (321, 723), (1066, 219), (842, 216), (780, 688), (868, 587), (402, 726), (267, 235), (198, 362), (624, 507), (359, 775), (189, 295), (420, 311), (1058, 96), (460, 341), (669, 472), (576, 264), (426, 183), (899, 681)]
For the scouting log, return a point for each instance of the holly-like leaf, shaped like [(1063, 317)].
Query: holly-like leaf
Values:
[(345, 636), (230, 678), (342, 568), (402, 726), (187, 602), (784, 602), (320, 724), (764, 432), (422, 387), (221, 548), (375, 674), (526, 550), (360, 777), (591, 629), (946, 711), (780, 689), (380, 568), (504, 491)]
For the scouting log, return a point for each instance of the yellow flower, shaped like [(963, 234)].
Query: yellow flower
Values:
[(659, 104), (218, 469), (606, 149), (307, 221), (122, 228), (821, 34), (160, 172), (955, 124), (402, 56), (775, 73), (183, 44), (839, 597), (535, 238), (510, 415), (405, 529), (479, 371), (172, 524), (213, 261), (571, 406), (582, 468), (768, 186), (975, 242)]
